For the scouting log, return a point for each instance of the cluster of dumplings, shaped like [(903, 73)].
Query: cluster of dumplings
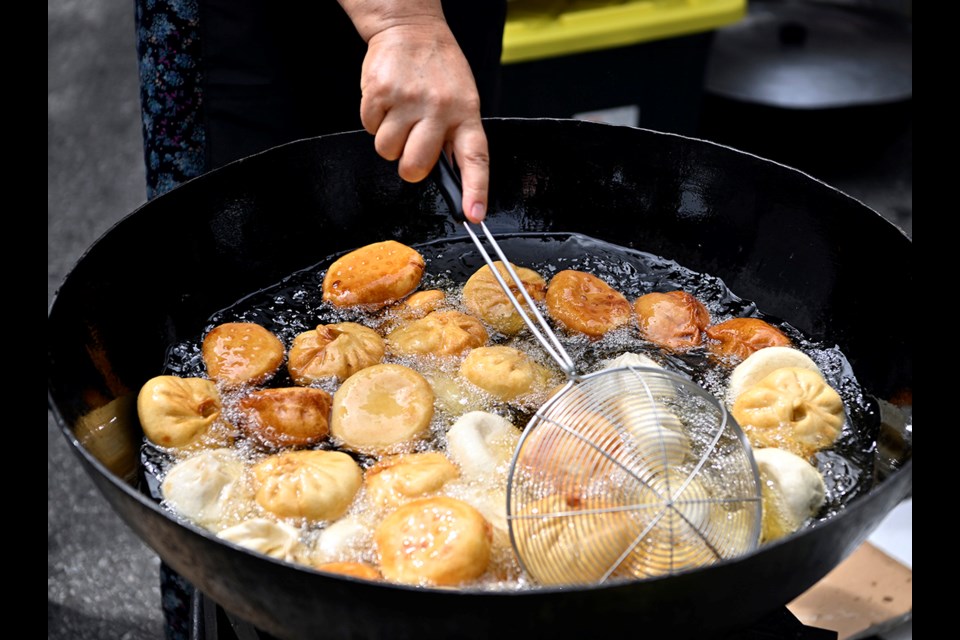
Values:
[(386, 457)]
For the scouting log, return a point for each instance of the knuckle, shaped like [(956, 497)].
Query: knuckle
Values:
[(386, 148), (413, 171)]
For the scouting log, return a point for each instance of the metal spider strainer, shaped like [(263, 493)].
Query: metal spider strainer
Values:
[(625, 473)]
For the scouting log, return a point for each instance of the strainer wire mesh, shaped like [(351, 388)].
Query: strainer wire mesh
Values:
[(630, 472)]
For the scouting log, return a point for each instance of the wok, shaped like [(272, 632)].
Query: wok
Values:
[(802, 250)]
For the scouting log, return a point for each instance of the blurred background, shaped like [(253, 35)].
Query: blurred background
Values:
[(822, 86)]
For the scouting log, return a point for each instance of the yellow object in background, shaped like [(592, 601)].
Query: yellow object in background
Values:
[(539, 29)]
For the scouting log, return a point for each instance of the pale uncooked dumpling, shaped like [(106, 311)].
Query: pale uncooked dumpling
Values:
[(762, 363), (655, 437), (793, 492), (400, 478), (178, 412), (737, 338), (489, 499), (241, 353), (630, 359), (373, 275), (437, 541), (206, 488), (440, 333), (275, 539), (674, 320), (504, 372), (660, 387), (314, 485), (342, 539), (584, 303), (792, 409), (333, 351), (482, 443), (381, 409), (485, 299), (454, 395), (286, 417)]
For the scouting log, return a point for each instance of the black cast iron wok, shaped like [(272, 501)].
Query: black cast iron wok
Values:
[(802, 250)]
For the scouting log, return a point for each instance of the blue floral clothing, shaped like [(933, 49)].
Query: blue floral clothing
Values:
[(171, 95)]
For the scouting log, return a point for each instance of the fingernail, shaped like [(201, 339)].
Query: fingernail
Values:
[(478, 212)]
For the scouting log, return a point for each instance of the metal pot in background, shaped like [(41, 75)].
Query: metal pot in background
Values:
[(813, 84)]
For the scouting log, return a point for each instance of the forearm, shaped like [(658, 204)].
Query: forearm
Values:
[(371, 17)]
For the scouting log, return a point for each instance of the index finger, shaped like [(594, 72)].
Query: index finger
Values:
[(473, 158)]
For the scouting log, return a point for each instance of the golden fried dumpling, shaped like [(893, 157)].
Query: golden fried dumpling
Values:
[(374, 275), (686, 523), (352, 569), (397, 479), (759, 364), (739, 337), (333, 351), (381, 408), (238, 353), (576, 459), (482, 443), (638, 402), (413, 307), (315, 485), (178, 412), (562, 548), (436, 541), (793, 491), (503, 372), (441, 333), (583, 302), (206, 487), (420, 304), (485, 299), (592, 450), (792, 409), (674, 320), (286, 417), (275, 539)]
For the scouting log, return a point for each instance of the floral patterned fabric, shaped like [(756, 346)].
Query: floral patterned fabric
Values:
[(171, 97), (175, 594)]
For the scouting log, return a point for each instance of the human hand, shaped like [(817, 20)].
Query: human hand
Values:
[(419, 97)]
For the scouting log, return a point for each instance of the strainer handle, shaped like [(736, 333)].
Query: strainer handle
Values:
[(452, 193)]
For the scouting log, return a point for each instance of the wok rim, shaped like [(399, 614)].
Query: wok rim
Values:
[(533, 591)]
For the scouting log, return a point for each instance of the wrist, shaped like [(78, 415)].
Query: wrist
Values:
[(373, 17)]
